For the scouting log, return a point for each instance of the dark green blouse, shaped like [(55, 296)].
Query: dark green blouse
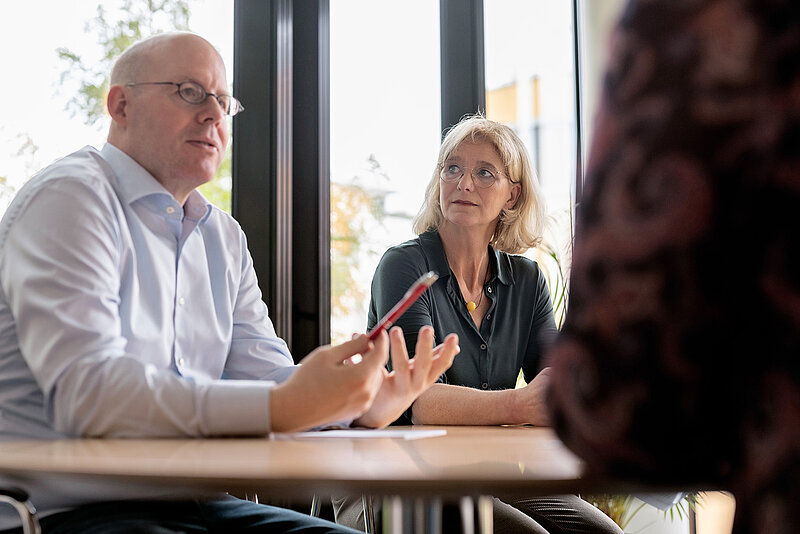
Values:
[(515, 333)]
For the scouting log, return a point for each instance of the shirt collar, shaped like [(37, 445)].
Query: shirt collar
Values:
[(138, 183), (434, 249)]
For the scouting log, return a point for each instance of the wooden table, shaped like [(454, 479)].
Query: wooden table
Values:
[(467, 461)]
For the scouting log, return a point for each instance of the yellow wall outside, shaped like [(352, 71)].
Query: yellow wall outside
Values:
[(501, 104)]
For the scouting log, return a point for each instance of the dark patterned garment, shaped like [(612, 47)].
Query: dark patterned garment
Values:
[(680, 358)]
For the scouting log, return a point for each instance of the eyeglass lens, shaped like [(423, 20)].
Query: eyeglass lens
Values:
[(194, 93), (482, 176)]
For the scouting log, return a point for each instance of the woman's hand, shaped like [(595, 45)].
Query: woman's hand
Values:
[(531, 401), (409, 377)]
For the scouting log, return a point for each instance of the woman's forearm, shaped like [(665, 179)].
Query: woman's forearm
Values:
[(444, 404)]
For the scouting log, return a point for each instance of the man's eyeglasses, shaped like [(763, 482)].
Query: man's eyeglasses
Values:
[(194, 93), (482, 176)]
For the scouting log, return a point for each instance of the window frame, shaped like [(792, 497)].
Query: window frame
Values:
[(281, 156)]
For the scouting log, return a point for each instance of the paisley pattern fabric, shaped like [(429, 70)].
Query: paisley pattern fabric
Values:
[(679, 361)]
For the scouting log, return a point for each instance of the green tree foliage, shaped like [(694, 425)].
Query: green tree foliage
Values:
[(357, 213), (6, 191), (25, 152), (218, 190), (117, 29), (137, 19)]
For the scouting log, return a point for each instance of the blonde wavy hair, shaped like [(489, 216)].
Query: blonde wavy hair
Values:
[(519, 228)]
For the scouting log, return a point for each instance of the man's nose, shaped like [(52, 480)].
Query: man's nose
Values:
[(211, 109)]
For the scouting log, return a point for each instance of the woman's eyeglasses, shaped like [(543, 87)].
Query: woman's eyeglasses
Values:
[(483, 176)]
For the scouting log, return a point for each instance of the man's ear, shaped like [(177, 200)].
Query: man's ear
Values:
[(117, 103), (516, 189)]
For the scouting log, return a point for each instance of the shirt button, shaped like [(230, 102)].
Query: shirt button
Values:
[(489, 289), (483, 346), (485, 385), (488, 315), (170, 210), (180, 362), (181, 301)]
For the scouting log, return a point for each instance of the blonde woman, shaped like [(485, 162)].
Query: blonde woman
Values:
[(482, 208)]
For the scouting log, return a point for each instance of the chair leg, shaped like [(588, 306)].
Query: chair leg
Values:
[(316, 506), (486, 514), (369, 517), (467, 508), (27, 513)]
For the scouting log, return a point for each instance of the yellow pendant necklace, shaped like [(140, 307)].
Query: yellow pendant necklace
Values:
[(471, 306)]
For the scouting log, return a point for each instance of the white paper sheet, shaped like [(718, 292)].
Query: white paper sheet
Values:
[(362, 434)]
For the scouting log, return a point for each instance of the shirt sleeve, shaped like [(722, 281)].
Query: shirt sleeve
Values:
[(397, 271), (60, 274), (543, 329), (256, 353), (395, 274)]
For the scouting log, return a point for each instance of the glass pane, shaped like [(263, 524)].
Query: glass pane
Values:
[(385, 133), (213, 19), (530, 86), (597, 22), (53, 98)]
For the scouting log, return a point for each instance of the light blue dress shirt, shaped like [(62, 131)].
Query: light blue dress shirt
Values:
[(124, 314)]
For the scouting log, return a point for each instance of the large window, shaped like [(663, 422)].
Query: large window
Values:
[(56, 58), (597, 21), (530, 86), (385, 132), (391, 83), (36, 127)]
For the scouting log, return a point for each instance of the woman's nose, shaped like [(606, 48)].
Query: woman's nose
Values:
[(466, 182)]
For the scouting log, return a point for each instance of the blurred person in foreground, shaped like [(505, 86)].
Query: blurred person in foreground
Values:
[(679, 362), (129, 307), (482, 208)]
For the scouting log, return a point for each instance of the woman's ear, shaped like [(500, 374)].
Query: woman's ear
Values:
[(117, 102), (513, 196)]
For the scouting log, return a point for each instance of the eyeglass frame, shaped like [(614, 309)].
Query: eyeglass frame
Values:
[(236, 106), (477, 181)]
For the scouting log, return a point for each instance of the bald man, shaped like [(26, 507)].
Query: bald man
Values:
[(129, 307)]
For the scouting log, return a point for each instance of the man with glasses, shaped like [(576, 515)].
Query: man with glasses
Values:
[(129, 307)]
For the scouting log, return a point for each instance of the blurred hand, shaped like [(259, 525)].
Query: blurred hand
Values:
[(409, 377), (325, 389), (531, 401)]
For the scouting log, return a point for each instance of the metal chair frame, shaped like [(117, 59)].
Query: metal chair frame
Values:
[(27, 512)]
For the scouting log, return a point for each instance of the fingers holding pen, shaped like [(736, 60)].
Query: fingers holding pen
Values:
[(375, 353)]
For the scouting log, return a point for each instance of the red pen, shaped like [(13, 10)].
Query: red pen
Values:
[(413, 293)]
